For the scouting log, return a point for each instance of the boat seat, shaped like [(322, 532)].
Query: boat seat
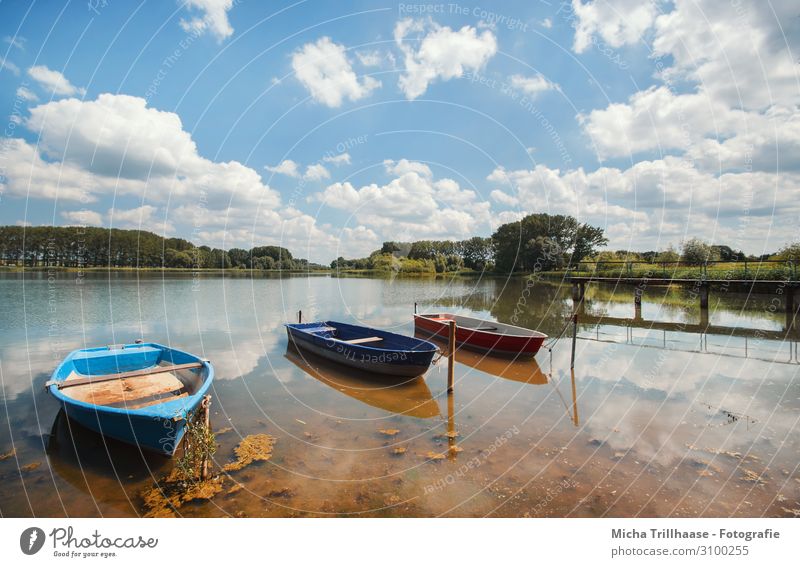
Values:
[(363, 340)]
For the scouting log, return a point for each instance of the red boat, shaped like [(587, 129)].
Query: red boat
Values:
[(486, 336)]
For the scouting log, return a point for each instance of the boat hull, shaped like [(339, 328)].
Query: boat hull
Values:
[(158, 434), (512, 341), (392, 362)]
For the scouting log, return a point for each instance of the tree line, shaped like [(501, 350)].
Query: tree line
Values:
[(534, 243), (76, 247)]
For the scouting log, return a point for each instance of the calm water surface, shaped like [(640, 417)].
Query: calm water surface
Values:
[(651, 423)]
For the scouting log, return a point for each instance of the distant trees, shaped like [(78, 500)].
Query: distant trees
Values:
[(542, 242), (697, 252), (73, 246), (788, 252), (668, 255)]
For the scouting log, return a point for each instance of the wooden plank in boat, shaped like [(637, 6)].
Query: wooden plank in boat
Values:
[(72, 382), (120, 393), (363, 340)]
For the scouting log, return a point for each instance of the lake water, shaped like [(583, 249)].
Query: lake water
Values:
[(653, 422)]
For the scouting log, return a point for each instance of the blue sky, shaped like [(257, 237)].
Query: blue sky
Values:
[(330, 127)]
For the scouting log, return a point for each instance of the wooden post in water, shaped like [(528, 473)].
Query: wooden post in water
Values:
[(574, 339), (300, 316), (637, 302), (205, 407), (704, 296), (415, 308), (451, 358), (575, 419)]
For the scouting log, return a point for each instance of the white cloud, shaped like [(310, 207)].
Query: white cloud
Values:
[(337, 160), (26, 94), (286, 167), (369, 58), (17, 41), (7, 65), (655, 202), (117, 146), (442, 54), (323, 68), (547, 23), (532, 86), (743, 111), (441, 209), (54, 81), (405, 166), (213, 17), (616, 22), (145, 217), (504, 198), (83, 217), (316, 172), (739, 53)]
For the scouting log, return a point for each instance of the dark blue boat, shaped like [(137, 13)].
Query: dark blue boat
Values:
[(365, 348), (140, 393)]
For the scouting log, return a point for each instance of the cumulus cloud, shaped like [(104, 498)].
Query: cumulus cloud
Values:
[(534, 85), (84, 217), (6, 65), (286, 167), (406, 166), (741, 110), (654, 202), (119, 146), (442, 209), (433, 52), (337, 160), (316, 172), (54, 81), (26, 94), (616, 22), (213, 17), (324, 69)]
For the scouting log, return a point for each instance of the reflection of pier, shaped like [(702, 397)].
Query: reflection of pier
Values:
[(790, 333), (784, 289)]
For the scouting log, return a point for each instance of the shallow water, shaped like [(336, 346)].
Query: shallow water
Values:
[(651, 423)]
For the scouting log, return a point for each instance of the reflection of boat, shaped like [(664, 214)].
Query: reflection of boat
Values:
[(482, 335), (371, 350), (524, 369), (409, 396), (96, 464), (139, 393)]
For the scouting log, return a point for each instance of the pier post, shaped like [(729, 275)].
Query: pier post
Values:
[(790, 309), (205, 407), (637, 303), (451, 358), (575, 419), (300, 316), (574, 339), (451, 427), (704, 296), (578, 291)]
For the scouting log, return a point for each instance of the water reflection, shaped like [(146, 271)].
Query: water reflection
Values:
[(100, 466), (401, 396), (523, 369)]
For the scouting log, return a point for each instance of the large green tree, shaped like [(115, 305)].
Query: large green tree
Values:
[(542, 241)]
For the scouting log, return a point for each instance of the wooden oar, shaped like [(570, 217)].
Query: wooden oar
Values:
[(121, 376)]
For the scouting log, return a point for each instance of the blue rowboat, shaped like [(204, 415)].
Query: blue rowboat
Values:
[(140, 393), (365, 348)]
